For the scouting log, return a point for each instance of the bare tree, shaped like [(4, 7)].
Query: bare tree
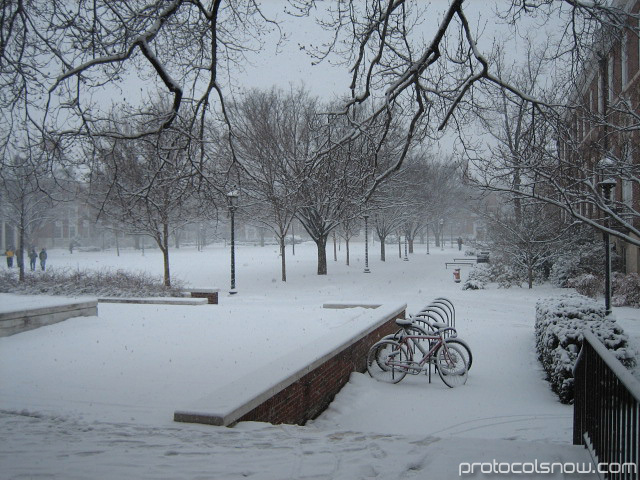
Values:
[(274, 136), (387, 221), (146, 186), (26, 205), (57, 58), (349, 228), (528, 241)]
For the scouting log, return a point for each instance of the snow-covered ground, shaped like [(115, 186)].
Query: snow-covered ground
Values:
[(94, 397)]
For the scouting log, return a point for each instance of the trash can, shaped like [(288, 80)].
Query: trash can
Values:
[(456, 275)]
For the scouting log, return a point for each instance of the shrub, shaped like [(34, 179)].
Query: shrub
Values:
[(95, 283), (583, 254), (587, 284), (478, 278), (559, 325), (626, 290)]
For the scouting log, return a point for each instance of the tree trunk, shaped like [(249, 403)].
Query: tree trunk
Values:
[(399, 247), (322, 255), (530, 276), (165, 254), (283, 252), (382, 251), (346, 243), (335, 248), (410, 244), (19, 254)]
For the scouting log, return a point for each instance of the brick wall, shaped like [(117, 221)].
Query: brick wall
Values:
[(309, 396)]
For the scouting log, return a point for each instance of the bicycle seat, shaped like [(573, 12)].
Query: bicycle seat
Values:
[(403, 322)]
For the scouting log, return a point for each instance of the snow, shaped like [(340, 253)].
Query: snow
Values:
[(93, 397)]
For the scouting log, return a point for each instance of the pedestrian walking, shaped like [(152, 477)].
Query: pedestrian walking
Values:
[(9, 253), (43, 258), (33, 255), (459, 243)]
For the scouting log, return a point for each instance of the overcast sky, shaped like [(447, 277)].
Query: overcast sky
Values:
[(293, 65)]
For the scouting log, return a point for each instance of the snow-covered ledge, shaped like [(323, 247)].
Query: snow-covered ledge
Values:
[(295, 397), (19, 315), (351, 305)]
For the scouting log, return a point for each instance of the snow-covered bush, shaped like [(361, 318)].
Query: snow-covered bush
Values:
[(560, 323), (103, 283), (478, 277), (626, 290), (587, 284)]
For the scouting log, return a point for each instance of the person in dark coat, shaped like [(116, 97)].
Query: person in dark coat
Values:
[(43, 258), (459, 243), (33, 255)]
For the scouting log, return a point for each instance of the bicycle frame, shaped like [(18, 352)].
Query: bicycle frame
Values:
[(435, 342)]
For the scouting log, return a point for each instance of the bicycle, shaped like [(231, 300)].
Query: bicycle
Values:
[(427, 324), (391, 360)]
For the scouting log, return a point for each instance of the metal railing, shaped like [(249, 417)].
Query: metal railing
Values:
[(606, 416)]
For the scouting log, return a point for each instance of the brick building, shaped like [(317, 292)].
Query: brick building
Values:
[(606, 123)]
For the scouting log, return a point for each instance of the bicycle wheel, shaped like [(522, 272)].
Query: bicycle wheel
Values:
[(387, 361), (466, 351), (451, 365)]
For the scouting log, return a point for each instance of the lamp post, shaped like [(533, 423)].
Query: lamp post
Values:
[(427, 239), (366, 244), (606, 167), (232, 198), (406, 258), (442, 234)]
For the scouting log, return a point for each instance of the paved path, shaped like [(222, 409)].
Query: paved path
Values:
[(59, 448)]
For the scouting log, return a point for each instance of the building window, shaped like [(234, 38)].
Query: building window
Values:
[(624, 62), (600, 94), (627, 185), (610, 78), (57, 229), (591, 109)]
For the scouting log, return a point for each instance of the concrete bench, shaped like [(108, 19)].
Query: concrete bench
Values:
[(446, 264), (155, 300), (211, 294)]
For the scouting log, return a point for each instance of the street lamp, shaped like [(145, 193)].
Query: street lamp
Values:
[(366, 244), (232, 198), (406, 259), (442, 234), (606, 168), (427, 239)]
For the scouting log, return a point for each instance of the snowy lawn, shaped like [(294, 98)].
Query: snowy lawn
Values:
[(93, 397)]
